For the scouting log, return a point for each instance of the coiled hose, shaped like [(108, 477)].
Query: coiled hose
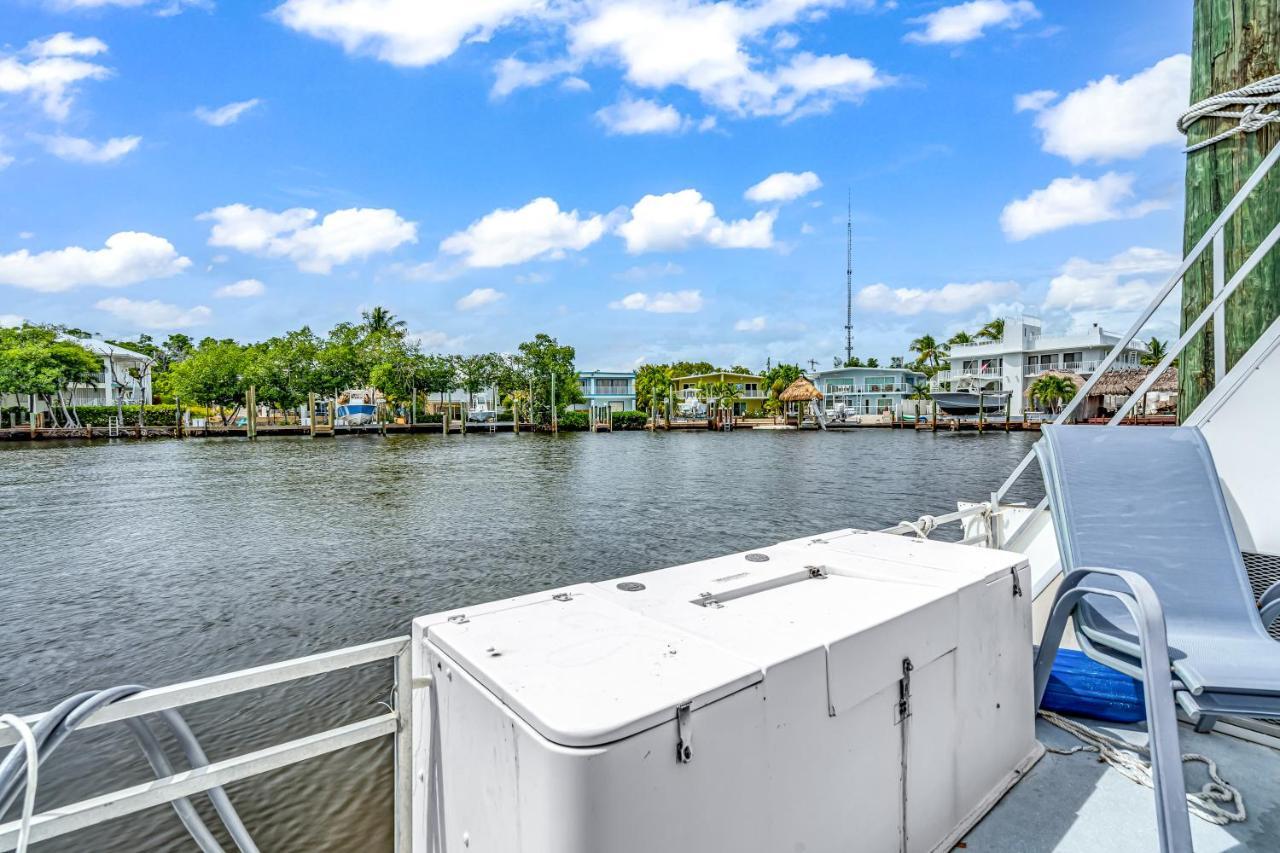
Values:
[(54, 727)]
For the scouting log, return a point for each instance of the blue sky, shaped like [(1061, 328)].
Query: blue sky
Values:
[(492, 170)]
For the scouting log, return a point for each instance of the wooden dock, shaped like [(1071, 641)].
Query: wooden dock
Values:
[(134, 432)]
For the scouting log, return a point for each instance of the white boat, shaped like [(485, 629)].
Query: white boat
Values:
[(356, 408), (482, 414)]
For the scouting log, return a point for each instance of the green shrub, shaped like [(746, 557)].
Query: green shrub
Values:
[(98, 416), (437, 418), (630, 420), (574, 421)]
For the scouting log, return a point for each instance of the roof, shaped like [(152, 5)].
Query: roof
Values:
[(717, 373), (621, 374), (100, 347), (864, 369), (800, 390), (1124, 381)]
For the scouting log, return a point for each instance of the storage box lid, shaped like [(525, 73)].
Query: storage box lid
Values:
[(584, 671)]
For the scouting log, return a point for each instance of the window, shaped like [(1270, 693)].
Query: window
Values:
[(613, 386), (1072, 361)]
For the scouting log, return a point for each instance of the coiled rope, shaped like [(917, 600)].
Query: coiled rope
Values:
[(1133, 762), (1254, 98)]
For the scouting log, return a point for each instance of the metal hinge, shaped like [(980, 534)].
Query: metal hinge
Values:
[(817, 571), (1017, 585), (684, 733), (562, 596), (904, 690)]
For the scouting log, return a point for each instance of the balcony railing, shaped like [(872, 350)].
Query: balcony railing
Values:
[(898, 388)]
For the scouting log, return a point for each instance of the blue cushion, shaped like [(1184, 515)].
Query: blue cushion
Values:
[(1081, 687)]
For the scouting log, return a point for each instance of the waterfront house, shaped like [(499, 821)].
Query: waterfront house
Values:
[(124, 372), (867, 390), (751, 390), (607, 391), (1025, 353)]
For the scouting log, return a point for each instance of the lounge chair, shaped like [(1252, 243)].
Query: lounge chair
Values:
[(1154, 577)]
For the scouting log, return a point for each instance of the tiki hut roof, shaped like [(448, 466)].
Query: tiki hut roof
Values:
[(1123, 382), (800, 390)]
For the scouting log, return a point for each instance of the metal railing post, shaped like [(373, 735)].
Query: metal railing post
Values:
[(404, 751)]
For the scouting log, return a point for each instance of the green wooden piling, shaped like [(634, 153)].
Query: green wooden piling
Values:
[(1233, 43)]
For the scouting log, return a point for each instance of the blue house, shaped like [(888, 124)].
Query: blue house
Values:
[(608, 391), (867, 390)]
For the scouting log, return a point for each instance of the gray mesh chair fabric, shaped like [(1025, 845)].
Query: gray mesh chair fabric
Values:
[(1148, 500)]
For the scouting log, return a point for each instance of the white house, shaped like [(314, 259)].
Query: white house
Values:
[(123, 371), (1013, 363), (867, 390)]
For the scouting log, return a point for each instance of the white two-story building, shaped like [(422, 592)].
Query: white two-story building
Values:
[(1024, 353)]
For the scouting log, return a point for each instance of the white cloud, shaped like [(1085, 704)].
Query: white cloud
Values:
[(10, 321), (5, 159), (632, 116), (1112, 119), (783, 187), (666, 302), (1116, 284), (79, 150), (711, 49), (1034, 101), (533, 278), (436, 340), (479, 298), (540, 229), (968, 21), (128, 258), (404, 32), (241, 289), (651, 271), (948, 299), (681, 219), (154, 314), (49, 75), (225, 115), (1073, 201), (340, 237), (752, 324)]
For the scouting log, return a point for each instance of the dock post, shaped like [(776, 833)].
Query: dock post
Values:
[(311, 411), (251, 409), (980, 413), (1008, 406), (413, 408), (555, 423), (933, 418), (177, 414)]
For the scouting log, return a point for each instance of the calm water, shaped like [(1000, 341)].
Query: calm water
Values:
[(152, 563)]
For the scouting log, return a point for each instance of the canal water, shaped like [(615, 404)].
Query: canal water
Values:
[(155, 562)]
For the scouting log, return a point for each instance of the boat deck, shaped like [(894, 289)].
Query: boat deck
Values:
[(1078, 803)]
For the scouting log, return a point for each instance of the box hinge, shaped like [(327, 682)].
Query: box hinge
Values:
[(904, 690), (1017, 585), (684, 733)]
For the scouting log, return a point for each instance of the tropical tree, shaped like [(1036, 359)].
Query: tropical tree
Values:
[(541, 359), (928, 351), (214, 374), (727, 394), (36, 362), (992, 331), (380, 321), (960, 337), (1052, 390), (653, 387), (872, 362), (1156, 351)]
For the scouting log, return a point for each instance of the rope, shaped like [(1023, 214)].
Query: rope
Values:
[(922, 526), (20, 726), (1254, 98), (1133, 763)]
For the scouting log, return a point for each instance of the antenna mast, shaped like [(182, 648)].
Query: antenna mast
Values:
[(848, 282)]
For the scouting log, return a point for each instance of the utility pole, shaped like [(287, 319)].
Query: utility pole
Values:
[(848, 280), (813, 366), (1233, 43)]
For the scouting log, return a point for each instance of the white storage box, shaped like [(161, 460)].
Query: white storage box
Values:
[(857, 691)]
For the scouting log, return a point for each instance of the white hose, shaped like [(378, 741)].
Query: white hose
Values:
[(20, 726)]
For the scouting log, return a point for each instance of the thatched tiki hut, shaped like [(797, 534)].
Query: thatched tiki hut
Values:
[(1114, 386), (799, 392)]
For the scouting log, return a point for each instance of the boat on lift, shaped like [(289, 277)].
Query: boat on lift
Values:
[(967, 403), (356, 408)]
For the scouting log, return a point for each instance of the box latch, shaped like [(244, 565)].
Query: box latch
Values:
[(684, 733)]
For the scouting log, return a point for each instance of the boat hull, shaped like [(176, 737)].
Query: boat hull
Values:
[(961, 403)]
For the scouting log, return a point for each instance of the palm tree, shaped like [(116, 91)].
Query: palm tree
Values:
[(928, 350), (1156, 351), (993, 331), (960, 337), (728, 394), (1052, 390), (378, 320), (708, 394)]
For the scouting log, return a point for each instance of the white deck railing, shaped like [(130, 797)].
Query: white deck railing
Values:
[(1222, 289), (125, 801)]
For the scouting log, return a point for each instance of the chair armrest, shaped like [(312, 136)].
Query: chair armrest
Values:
[(1272, 594)]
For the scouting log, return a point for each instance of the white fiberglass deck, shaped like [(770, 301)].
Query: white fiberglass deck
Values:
[(1076, 803)]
